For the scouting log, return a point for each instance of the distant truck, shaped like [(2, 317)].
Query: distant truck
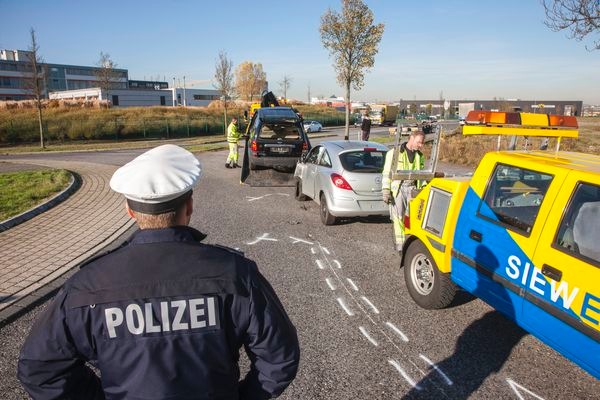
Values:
[(464, 109), (521, 234), (383, 114)]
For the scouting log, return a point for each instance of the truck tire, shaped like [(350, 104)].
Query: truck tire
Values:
[(326, 217), (298, 193), (429, 288)]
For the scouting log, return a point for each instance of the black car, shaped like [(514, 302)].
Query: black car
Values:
[(276, 138)]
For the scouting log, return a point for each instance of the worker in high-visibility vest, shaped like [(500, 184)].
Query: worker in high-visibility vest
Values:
[(398, 193), (233, 135)]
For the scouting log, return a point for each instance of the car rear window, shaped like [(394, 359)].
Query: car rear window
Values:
[(280, 131), (363, 161)]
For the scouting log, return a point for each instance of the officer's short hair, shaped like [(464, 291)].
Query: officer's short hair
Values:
[(417, 132), (160, 221)]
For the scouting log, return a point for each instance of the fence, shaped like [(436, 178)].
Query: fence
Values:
[(116, 128)]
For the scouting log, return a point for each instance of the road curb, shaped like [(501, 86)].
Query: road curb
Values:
[(48, 290), (74, 184)]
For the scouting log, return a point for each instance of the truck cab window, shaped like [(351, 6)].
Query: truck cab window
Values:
[(579, 230), (514, 195)]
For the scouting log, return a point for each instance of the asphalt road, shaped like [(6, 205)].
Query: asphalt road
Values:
[(361, 335)]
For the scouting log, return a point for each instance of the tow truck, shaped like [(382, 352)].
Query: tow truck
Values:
[(522, 233)]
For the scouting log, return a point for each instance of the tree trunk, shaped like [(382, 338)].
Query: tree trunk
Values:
[(39, 108), (347, 129), (225, 117)]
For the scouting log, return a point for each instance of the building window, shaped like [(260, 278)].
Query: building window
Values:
[(163, 101), (115, 100)]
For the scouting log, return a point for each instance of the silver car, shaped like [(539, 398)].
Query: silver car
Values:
[(344, 177)]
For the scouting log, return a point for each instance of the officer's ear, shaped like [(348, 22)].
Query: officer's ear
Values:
[(129, 211), (189, 206)]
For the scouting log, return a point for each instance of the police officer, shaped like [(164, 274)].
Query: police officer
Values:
[(398, 193), (163, 316)]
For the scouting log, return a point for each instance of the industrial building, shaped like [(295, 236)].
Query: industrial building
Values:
[(81, 82)]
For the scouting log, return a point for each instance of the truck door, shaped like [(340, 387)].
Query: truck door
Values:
[(496, 234), (562, 305)]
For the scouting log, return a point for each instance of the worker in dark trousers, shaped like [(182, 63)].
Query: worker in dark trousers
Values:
[(164, 316), (365, 126)]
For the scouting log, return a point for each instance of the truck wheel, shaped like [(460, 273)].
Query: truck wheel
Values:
[(429, 288), (298, 194), (326, 217)]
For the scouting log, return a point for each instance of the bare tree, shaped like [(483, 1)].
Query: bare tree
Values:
[(352, 41), (106, 74), (250, 79), (581, 17), (284, 84), (224, 81), (35, 83)]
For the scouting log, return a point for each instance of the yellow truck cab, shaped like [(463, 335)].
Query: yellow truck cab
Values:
[(522, 233)]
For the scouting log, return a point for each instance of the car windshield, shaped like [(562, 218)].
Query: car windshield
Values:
[(280, 131), (363, 161)]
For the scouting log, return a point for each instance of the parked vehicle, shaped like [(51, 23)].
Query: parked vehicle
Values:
[(276, 138), (344, 178), (312, 126), (383, 114), (522, 234)]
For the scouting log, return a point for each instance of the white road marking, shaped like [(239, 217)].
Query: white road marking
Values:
[(265, 236), (398, 331), (408, 379), (352, 284), (366, 334), (250, 198), (320, 264), (312, 250), (325, 250), (368, 302), (329, 284), (438, 370), (518, 388), (297, 240), (344, 306), (337, 263)]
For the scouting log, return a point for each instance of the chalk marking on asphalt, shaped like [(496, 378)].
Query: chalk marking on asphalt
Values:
[(337, 264), (398, 331), (265, 236), (298, 240), (408, 379), (518, 388), (366, 334), (370, 318), (329, 284), (352, 284), (312, 250), (325, 250), (437, 369), (368, 302), (320, 264), (344, 306), (251, 198)]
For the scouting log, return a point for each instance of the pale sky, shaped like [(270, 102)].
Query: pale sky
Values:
[(461, 49)]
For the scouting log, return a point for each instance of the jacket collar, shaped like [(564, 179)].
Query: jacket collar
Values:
[(173, 234)]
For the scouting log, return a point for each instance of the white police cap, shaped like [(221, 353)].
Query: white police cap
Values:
[(159, 180)]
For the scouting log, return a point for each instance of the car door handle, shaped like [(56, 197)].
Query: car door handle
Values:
[(552, 273), (476, 236)]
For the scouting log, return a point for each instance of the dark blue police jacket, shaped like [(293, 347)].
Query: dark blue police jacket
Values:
[(163, 317)]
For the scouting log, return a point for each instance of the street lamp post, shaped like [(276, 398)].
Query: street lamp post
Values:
[(173, 91), (184, 97)]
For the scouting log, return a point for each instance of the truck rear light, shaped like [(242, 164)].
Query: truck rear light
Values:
[(563, 120), (340, 182), (406, 222), (254, 146)]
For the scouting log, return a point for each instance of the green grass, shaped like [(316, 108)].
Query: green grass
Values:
[(20, 191)]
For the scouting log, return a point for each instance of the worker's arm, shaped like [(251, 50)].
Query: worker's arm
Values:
[(50, 366), (271, 343)]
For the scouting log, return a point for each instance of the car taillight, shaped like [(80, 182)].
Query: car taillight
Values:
[(368, 149), (340, 182), (407, 221), (253, 146), (304, 146)]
